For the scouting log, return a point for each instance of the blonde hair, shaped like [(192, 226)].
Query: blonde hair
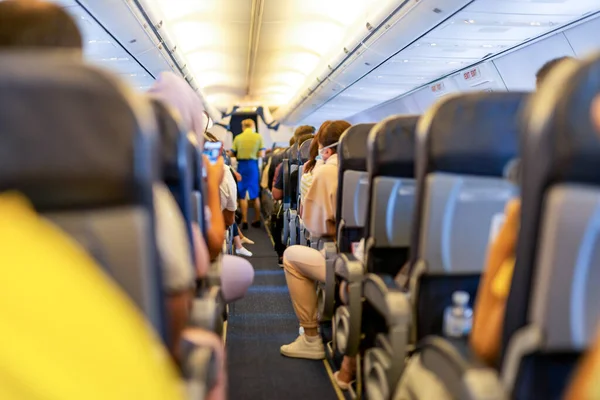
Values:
[(248, 123)]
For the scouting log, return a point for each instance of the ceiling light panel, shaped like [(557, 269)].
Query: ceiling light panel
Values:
[(211, 36), (296, 36), (482, 29)]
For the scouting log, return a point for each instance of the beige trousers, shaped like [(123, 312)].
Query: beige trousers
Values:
[(304, 266)]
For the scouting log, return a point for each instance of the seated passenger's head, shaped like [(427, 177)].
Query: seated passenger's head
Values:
[(304, 130), (292, 140), (314, 146), (37, 24), (248, 124), (329, 138), (544, 72)]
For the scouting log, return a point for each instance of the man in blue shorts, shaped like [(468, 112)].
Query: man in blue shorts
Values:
[(248, 147)]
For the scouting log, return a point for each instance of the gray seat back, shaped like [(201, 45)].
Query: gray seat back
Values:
[(552, 309), (392, 204), (304, 152), (466, 146), (390, 162), (560, 174), (461, 214), (356, 195), (565, 299), (353, 185), (88, 161)]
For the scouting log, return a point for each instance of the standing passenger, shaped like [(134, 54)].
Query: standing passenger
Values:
[(248, 147)]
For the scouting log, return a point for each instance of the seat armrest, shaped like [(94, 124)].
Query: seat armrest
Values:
[(349, 268), (199, 369), (348, 317), (460, 371), (326, 290), (208, 311), (384, 363), (213, 276), (293, 227)]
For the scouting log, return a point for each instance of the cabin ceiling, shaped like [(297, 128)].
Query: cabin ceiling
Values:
[(257, 51), (263, 52)]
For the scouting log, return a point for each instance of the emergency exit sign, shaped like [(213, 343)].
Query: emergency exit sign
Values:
[(438, 87), (472, 74)]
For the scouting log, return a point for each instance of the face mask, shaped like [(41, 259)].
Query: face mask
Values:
[(326, 147), (319, 157)]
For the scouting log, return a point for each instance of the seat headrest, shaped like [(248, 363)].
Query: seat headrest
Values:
[(470, 134), (293, 152), (561, 123), (392, 147), (304, 152), (352, 148), (284, 154), (71, 135)]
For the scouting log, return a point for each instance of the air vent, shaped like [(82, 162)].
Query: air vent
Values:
[(437, 11)]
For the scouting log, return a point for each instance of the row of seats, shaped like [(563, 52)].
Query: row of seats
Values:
[(427, 194), (88, 160)]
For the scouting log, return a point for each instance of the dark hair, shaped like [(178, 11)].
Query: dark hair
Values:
[(543, 72), (37, 24), (314, 149), (304, 130), (332, 133), (304, 138), (211, 137)]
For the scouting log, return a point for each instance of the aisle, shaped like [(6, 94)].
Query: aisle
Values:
[(258, 325)]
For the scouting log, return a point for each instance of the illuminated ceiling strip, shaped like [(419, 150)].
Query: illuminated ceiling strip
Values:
[(257, 12), (349, 54)]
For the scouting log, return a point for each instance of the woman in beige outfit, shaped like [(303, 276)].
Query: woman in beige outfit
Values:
[(305, 266)]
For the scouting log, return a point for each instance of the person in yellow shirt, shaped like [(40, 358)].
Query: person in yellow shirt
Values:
[(68, 332), (247, 148)]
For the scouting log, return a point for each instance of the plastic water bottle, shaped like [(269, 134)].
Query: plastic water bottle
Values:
[(458, 318)]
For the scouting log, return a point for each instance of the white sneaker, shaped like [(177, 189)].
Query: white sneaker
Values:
[(243, 252), (341, 384), (245, 240), (302, 348)]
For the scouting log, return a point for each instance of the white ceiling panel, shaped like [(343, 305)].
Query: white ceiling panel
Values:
[(480, 30), (579, 38), (103, 50)]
